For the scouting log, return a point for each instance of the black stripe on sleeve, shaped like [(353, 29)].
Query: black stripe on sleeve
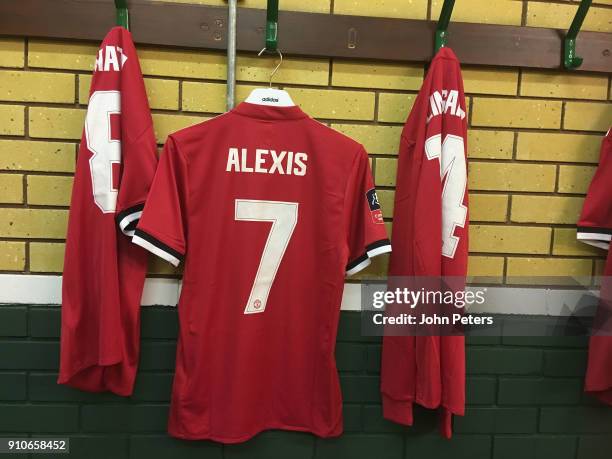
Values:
[(592, 229), (130, 210), (365, 256), (377, 244), (131, 226), (357, 261), (159, 244)]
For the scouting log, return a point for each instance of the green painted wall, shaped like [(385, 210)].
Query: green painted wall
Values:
[(524, 395)]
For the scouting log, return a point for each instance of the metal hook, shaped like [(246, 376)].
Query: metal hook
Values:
[(275, 68)]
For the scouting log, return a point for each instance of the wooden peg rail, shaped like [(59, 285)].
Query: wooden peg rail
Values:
[(304, 34)]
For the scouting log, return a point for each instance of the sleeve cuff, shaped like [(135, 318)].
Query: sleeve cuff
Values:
[(156, 247), (363, 261), (128, 218), (598, 237)]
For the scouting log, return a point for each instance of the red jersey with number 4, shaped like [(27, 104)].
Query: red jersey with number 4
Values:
[(269, 210), (595, 228), (430, 223), (103, 271)]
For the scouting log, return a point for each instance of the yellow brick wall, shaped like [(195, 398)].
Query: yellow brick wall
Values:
[(533, 136)]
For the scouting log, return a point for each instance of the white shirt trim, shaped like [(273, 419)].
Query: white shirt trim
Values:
[(371, 254), (125, 221), (601, 240), (379, 250), (355, 269), (155, 250)]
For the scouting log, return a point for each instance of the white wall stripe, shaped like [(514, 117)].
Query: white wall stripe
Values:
[(163, 292), (28, 289), (43, 289)]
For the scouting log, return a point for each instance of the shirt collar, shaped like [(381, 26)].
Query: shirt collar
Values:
[(268, 112)]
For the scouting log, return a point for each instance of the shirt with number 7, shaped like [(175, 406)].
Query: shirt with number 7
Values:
[(268, 210)]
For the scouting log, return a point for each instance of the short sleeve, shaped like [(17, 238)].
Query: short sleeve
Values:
[(162, 226), (365, 228), (138, 148), (595, 224), (138, 170)]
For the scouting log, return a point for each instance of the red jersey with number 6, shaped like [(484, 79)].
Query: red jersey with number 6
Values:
[(269, 210), (103, 271), (595, 228), (430, 238)]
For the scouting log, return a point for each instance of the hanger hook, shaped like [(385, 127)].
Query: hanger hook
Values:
[(275, 68)]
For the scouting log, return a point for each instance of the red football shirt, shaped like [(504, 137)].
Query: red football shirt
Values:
[(270, 210), (103, 271), (595, 228), (430, 223)]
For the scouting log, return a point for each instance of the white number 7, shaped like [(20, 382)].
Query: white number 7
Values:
[(283, 216)]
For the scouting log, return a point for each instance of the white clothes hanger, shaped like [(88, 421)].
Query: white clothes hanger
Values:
[(270, 96)]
